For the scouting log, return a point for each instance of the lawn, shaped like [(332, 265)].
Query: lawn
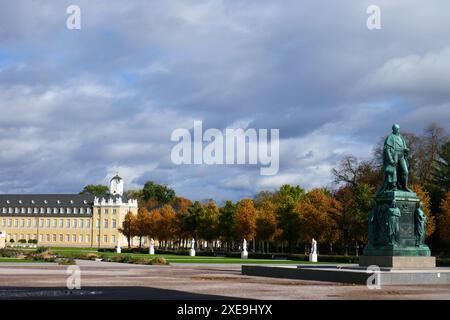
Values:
[(17, 260), (171, 258)]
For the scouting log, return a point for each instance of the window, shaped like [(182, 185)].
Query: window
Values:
[(74, 225), (74, 238), (88, 223), (41, 223), (29, 223), (36, 210), (35, 223), (42, 210), (48, 238), (80, 238), (67, 238), (75, 210), (105, 238), (114, 223), (3, 222), (61, 210), (61, 238), (98, 211), (22, 223), (87, 238), (68, 223), (61, 223), (55, 223), (88, 210), (9, 223), (81, 223), (48, 223), (29, 210), (106, 211), (54, 238), (22, 210), (16, 223), (69, 210), (105, 223), (49, 210), (114, 211), (41, 237), (98, 238), (97, 223), (113, 239), (81, 210), (55, 210)]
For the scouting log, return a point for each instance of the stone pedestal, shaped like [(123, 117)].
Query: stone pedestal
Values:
[(192, 252), (244, 254), (406, 251), (151, 250), (313, 257), (118, 249)]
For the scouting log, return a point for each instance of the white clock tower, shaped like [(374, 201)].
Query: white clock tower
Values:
[(116, 186)]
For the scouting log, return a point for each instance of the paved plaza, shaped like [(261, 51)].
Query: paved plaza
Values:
[(102, 280)]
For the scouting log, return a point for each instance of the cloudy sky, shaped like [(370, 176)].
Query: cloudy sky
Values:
[(78, 105)]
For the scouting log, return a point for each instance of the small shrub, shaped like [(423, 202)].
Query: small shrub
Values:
[(33, 241), (159, 261), (42, 249), (11, 240), (22, 241), (9, 253)]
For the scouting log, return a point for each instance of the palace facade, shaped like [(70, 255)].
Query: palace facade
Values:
[(80, 220)]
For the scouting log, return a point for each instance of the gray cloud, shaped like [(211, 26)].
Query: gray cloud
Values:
[(78, 105)]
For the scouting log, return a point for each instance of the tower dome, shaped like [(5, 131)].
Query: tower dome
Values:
[(116, 185)]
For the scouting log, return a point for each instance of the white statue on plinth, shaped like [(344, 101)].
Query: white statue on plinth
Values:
[(244, 253), (118, 248), (313, 254), (2, 239), (151, 250), (192, 250)]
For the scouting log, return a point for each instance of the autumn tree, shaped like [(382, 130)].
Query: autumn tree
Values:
[(266, 220), (320, 214), (246, 213), (143, 224), (444, 219), (192, 218), (129, 228), (425, 198), (167, 227)]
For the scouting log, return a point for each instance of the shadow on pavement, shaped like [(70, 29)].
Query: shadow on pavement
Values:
[(102, 293)]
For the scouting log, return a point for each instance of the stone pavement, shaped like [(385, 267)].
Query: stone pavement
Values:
[(103, 280)]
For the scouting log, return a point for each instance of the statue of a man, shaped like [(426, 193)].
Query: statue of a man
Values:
[(193, 243), (393, 224), (395, 162), (420, 221), (244, 245)]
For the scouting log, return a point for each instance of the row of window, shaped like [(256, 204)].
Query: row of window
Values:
[(56, 223), (46, 210), (60, 238), (53, 210)]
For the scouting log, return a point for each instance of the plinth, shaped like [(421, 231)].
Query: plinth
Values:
[(405, 250)]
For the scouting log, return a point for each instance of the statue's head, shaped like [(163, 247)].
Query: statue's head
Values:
[(394, 203), (395, 128)]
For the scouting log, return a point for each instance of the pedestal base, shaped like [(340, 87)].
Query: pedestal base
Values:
[(313, 257), (244, 255), (192, 253), (151, 251), (398, 262), (118, 250)]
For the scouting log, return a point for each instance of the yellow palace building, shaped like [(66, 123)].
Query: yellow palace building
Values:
[(75, 220)]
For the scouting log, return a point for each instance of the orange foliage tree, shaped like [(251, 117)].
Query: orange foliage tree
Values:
[(245, 219), (444, 219), (425, 198)]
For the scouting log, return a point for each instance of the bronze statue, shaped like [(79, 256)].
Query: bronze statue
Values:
[(420, 221), (395, 162), (393, 224)]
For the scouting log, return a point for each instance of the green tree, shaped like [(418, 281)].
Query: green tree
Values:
[(441, 174), (208, 223), (227, 221), (289, 221), (191, 220), (160, 193), (95, 189), (128, 228)]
